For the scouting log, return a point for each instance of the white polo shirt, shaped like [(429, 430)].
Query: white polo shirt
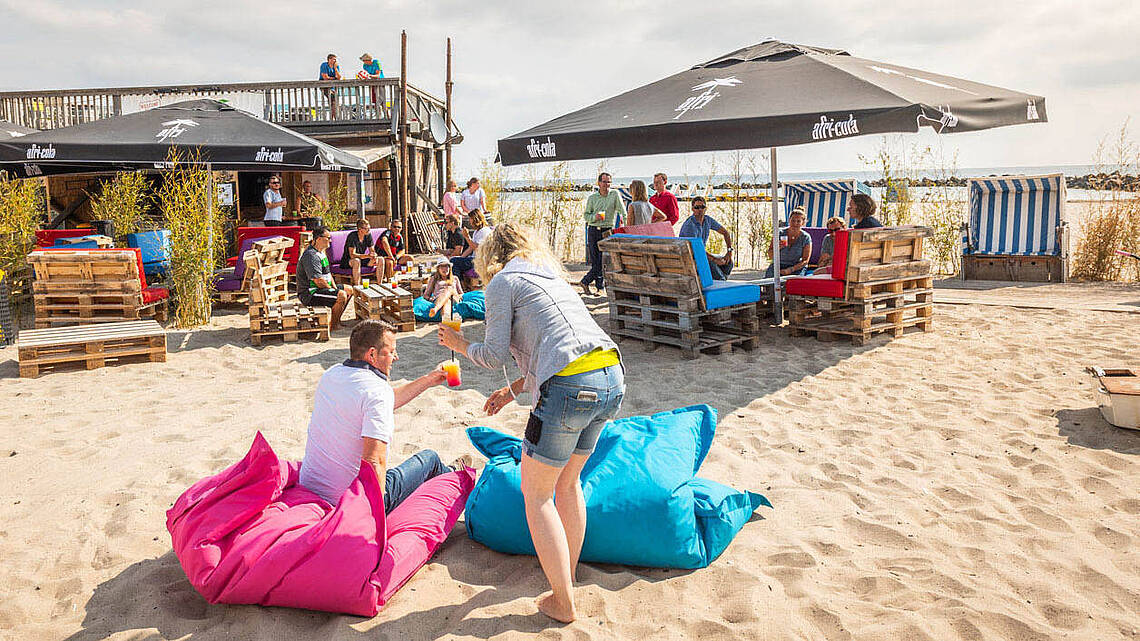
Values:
[(351, 402)]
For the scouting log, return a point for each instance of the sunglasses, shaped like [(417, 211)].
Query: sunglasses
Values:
[(699, 208)]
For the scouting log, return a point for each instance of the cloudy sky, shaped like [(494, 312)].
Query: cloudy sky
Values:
[(520, 63)]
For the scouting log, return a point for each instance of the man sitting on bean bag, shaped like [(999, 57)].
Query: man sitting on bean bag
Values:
[(353, 420)]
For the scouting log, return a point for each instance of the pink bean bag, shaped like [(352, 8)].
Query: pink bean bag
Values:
[(253, 534)]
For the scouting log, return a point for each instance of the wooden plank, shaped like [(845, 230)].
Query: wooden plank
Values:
[(899, 232), (858, 274)]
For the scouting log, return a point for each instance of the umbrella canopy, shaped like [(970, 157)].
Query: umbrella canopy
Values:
[(9, 130), (226, 139), (770, 95)]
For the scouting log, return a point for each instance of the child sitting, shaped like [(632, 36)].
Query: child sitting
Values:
[(442, 289)]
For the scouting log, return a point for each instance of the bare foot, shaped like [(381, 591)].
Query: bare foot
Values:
[(555, 609)]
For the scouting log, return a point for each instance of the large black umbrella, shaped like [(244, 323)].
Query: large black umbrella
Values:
[(226, 139), (10, 130), (770, 95)]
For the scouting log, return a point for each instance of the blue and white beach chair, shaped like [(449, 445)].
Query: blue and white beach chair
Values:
[(1016, 229), (821, 199)]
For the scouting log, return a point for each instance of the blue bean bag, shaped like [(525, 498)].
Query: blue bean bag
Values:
[(472, 307), (644, 505)]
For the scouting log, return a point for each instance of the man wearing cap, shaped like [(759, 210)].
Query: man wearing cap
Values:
[(371, 70)]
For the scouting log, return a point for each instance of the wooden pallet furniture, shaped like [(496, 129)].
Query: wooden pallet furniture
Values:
[(1016, 230), (90, 346), (381, 301), (661, 291), (272, 314), (424, 230), (92, 286), (880, 282)]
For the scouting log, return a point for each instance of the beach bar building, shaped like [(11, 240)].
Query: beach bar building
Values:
[(403, 134)]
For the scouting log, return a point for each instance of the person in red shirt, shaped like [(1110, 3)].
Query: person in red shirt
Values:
[(664, 200)]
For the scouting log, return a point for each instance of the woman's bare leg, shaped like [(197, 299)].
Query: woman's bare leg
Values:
[(549, 537), (571, 506)]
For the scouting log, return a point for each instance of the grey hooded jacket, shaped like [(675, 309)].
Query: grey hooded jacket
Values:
[(534, 315)]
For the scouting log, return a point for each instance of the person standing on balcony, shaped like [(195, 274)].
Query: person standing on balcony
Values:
[(371, 70), (330, 70), (274, 203), (451, 200)]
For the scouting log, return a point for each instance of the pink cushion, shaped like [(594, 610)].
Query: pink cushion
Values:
[(662, 228), (253, 534), (816, 285)]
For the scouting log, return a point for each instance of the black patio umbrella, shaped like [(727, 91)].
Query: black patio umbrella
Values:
[(770, 95), (10, 130), (226, 139)]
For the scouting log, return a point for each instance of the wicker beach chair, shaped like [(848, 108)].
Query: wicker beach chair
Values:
[(1016, 229)]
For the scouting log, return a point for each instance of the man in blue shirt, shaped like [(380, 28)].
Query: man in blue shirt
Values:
[(330, 70), (698, 226)]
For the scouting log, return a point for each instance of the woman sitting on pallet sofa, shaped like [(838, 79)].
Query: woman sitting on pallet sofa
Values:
[(795, 246)]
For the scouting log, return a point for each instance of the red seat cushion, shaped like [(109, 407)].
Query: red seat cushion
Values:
[(822, 285), (151, 294), (839, 260), (46, 237)]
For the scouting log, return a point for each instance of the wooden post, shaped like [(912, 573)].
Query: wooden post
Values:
[(447, 114), (404, 168)]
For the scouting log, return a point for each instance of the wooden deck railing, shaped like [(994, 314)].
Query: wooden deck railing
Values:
[(303, 105)]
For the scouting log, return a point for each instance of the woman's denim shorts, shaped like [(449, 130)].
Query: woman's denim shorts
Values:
[(571, 412)]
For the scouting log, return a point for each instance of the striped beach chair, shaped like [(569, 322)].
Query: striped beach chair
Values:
[(1016, 229), (821, 199)]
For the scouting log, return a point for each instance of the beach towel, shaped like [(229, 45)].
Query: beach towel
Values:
[(253, 534), (644, 505)]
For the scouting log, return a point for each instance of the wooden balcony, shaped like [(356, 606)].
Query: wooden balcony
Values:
[(362, 107)]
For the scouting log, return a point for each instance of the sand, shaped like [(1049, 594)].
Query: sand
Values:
[(957, 484)]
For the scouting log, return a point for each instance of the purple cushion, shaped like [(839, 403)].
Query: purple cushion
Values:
[(239, 268), (817, 235), (227, 284), (336, 248), (347, 271)]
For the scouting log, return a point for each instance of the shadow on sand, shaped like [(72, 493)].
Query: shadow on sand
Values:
[(1087, 428)]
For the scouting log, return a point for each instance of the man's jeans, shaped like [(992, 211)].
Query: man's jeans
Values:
[(402, 480), (720, 272), (596, 276)]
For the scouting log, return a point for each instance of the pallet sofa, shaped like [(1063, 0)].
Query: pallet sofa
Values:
[(93, 286), (90, 346), (271, 311), (879, 282), (661, 291)]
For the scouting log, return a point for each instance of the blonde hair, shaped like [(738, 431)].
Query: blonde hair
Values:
[(638, 192), (478, 219), (837, 219), (509, 241)]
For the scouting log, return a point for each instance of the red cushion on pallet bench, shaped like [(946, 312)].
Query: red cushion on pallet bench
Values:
[(46, 237), (155, 293), (817, 285), (839, 259)]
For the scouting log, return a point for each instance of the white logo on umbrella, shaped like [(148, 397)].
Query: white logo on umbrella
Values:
[(174, 129), (706, 96), (946, 118)]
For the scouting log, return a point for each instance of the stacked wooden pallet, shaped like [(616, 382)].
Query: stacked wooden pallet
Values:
[(89, 287), (271, 313), (655, 296), (888, 288), (90, 346), (381, 301)]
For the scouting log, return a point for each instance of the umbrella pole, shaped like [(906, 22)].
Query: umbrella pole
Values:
[(777, 311)]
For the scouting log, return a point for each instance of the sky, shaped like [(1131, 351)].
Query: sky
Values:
[(520, 63)]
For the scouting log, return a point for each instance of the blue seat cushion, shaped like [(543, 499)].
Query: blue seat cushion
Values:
[(725, 293), (154, 245)]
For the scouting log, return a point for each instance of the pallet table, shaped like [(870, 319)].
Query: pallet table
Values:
[(381, 301), (90, 346)]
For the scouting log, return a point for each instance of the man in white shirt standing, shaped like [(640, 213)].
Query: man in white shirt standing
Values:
[(274, 203), (473, 198), (353, 420)]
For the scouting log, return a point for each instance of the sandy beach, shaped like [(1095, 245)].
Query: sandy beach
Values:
[(956, 484)]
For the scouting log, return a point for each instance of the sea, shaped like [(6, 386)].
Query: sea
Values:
[(699, 184)]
